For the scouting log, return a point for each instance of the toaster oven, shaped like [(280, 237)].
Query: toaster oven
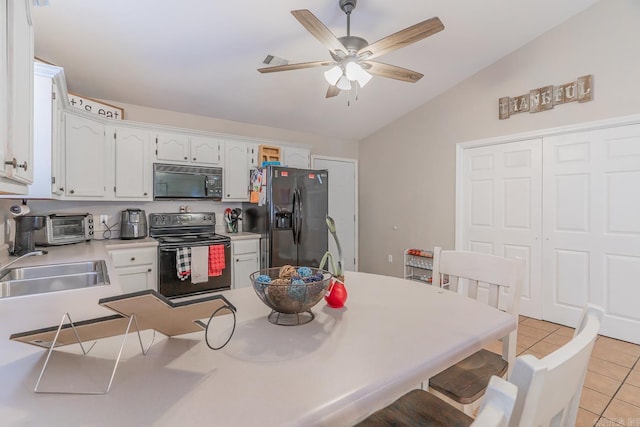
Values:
[(62, 229)]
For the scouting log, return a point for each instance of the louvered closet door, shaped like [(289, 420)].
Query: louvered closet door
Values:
[(501, 212), (591, 250)]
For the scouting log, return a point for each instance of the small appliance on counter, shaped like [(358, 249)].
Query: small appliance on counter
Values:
[(25, 227), (133, 224), (64, 229)]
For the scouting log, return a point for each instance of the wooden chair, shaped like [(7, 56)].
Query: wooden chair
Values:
[(464, 383), (549, 388), (541, 392), (421, 408)]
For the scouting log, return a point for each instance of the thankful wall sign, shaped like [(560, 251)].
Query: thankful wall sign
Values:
[(545, 98)]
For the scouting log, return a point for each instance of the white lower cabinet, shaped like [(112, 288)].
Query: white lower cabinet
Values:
[(245, 260), (136, 268)]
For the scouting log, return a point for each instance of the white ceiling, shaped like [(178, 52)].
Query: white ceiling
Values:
[(200, 56)]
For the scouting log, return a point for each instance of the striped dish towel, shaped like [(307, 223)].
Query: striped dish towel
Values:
[(183, 263)]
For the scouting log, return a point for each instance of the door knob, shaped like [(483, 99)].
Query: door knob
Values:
[(13, 162)]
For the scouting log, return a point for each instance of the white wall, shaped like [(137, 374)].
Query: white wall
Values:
[(407, 169)]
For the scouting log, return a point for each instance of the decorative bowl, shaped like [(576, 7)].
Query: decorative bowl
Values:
[(290, 292)]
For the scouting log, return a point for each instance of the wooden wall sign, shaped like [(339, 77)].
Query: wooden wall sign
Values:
[(96, 107), (545, 98)]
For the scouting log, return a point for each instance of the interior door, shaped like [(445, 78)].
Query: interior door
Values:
[(343, 206), (313, 236), (502, 209), (592, 228)]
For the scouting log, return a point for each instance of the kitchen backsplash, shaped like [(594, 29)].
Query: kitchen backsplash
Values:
[(113, 209)]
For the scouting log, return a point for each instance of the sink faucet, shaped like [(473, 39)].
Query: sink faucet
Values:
[(4, 267)]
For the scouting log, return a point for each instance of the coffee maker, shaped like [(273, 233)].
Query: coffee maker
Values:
[(25, 226)]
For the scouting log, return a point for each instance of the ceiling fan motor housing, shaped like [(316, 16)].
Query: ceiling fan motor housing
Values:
[(348, 5)]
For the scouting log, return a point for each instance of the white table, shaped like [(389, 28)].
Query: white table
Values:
[(345, 364)]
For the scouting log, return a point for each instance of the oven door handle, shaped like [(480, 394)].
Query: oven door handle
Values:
[(226, 245)]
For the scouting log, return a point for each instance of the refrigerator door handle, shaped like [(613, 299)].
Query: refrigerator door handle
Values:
[(299, 214), (294, 214)]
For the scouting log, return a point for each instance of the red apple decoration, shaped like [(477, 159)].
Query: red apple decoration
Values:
[(337, 294)]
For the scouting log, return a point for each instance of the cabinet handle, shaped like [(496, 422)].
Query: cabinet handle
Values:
[(13, 162), (61, 188), (146, 194), (24, 166), (72, 191), (194, 159), (186, 158), (133, 258), (149, 270), (237, 259)]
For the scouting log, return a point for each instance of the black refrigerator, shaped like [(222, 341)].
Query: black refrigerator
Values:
[(292, 217)]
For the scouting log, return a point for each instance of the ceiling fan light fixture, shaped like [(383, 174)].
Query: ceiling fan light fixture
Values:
[(355, 72), (333, 74), (343, 83)]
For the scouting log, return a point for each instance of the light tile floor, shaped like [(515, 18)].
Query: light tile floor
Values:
[(611, 392)]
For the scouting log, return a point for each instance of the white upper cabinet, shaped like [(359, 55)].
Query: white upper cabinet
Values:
[(86, 157), (16, 96), (106, 162), (132, 153), (185, 148), (236, 171), (171, 147), (296, 157), (206, 151)]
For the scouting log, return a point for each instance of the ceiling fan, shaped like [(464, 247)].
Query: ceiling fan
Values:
[(352, 64)]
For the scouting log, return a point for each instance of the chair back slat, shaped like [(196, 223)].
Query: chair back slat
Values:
[(549, 388), (473, 289), (494, 295)]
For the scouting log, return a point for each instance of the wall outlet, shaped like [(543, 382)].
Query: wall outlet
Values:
[(104, 219), (390, 258)]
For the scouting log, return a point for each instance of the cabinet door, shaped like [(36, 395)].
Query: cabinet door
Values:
[(132, 164), (205, 151), (295, 157), (4, 88), (86, 157), (20, 90), (245, 261), (172, 147), (136, 278), (236, 171), (243, 266)]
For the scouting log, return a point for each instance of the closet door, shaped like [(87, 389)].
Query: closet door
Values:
[(591, 250), (501, 209)]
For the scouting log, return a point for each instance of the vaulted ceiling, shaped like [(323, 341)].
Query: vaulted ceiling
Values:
[(200, 56)]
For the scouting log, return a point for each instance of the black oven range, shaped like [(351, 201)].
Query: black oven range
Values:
[(192, 258)]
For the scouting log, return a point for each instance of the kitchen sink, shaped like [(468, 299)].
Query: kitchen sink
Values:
[(20, 281)]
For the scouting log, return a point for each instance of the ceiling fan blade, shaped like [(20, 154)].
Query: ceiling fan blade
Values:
[(318, 30), (297, 66), (332, 91), (402, 38), (393, 72)]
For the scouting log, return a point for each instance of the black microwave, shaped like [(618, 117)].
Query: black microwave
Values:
[(179, 182)]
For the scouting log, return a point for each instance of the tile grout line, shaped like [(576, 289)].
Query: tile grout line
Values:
[(616, 392)]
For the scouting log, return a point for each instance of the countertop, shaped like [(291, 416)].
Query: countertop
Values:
[(241, 235), (346, 363)]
